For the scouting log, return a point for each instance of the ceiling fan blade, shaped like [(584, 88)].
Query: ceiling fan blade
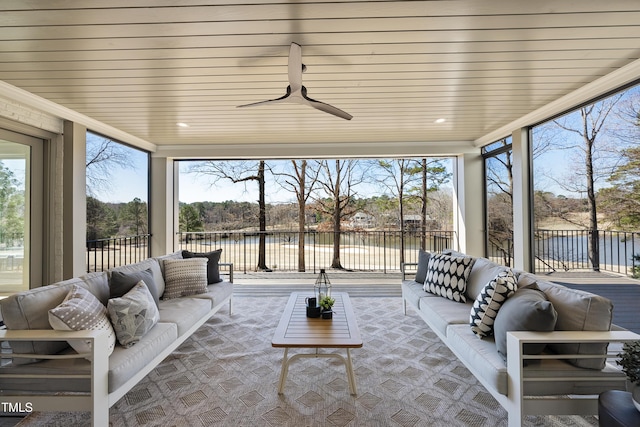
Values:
[(269, 101), (327, 108), (295, 67)]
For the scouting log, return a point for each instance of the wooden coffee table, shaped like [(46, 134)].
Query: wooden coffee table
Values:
[(296, 330)]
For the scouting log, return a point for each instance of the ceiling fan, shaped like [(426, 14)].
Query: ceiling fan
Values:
[(296, 92)]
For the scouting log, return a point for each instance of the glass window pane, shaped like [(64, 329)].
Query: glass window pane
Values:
[(14, 223)]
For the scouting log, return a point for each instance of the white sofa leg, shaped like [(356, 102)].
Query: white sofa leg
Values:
[(230, 305), (404, 306)]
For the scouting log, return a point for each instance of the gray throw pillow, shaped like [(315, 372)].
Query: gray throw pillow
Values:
[(133, 314), (423, 264), (123, 281), (213, 261), (526, 310)]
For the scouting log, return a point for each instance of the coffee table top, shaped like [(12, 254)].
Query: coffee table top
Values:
[(297, 330)]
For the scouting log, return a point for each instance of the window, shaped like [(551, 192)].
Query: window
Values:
[(499, 201)]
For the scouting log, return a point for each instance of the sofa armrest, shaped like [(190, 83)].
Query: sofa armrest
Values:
[(97, 403), (403, 269), (97, 337), (519, 404), (229, 267)]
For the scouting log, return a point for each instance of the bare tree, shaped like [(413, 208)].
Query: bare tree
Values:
[(242, 172), (338, 179), (433, 175), (397, 175), (300, 179), (104, 157), (590, 130)]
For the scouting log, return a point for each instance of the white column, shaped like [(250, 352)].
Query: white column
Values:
[(74, 200), (468, 209), (522, 204), (163, 206)]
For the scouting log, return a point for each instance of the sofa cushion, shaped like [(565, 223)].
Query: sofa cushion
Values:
[(98, 284), (527, 310), (213, 261), (124, 363), (447, 276), (133, 314), (216, 293), (123, 281), (481, 273), (162, 258), (577, 311), (479, 355), (441, 313), (184, 312), (30, 310), (151, 263), (413, 291), (79, 311), (185, 277), (423, 265), (486, 305)]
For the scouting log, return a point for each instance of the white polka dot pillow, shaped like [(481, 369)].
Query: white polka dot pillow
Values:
[(447, 276), (81, 310), (493, 295)]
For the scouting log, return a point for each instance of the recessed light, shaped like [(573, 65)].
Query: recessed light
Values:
[(182, 125), (440, 120)]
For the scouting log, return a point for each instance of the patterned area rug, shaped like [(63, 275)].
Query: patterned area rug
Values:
[(227, 375)]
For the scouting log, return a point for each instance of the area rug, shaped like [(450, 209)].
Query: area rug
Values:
[(227, 374)]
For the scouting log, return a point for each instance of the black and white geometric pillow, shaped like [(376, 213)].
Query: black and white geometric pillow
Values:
[(447, 276), (485, 307)]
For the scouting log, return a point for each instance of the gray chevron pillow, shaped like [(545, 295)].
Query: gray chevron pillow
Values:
[(133, 314)]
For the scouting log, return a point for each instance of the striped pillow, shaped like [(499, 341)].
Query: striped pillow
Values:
[(185, 277)]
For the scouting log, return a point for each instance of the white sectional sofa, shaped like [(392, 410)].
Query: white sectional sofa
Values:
[(44, 371), (557, 372)]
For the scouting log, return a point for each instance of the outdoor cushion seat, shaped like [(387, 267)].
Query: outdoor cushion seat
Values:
[(443, 312), (481, 353), (413, 291), (183, 312), (125, 362), (216, 293)]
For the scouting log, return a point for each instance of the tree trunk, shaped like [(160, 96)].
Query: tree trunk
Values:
[(262, 219), (335, 263), (301, 216), (594, 234)]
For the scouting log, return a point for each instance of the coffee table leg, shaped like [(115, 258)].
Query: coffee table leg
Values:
[(284, 371), (350, 375)]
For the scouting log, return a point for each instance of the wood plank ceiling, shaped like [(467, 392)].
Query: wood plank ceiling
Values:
[(397, 66)]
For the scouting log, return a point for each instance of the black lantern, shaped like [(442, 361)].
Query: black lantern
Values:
[(322, 288)]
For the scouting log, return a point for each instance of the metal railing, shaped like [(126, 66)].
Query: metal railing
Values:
[(359, 250), (103, 254), (569, 250)]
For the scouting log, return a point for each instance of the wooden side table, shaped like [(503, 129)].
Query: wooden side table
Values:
[(615, 409)]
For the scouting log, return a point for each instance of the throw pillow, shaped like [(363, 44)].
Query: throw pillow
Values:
[(123, 281), (492, 297), (133, 314), (185, 277), (423, 264), (79, 311), (526, 310), (213, 261), (447, 276)]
